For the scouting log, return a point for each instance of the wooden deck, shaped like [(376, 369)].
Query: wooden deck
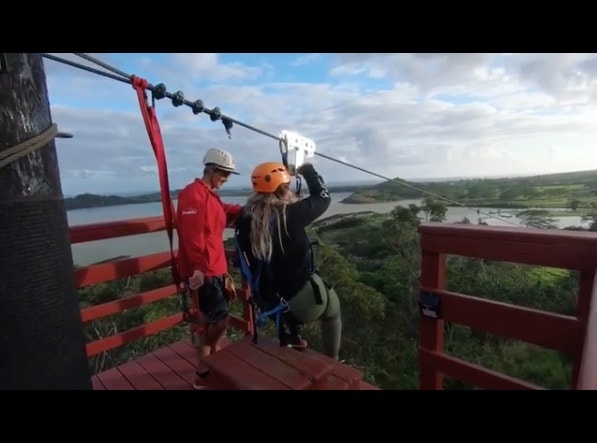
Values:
[(239, 366), (170, 368)]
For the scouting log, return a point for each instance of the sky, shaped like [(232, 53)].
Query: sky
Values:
[(413, 116)]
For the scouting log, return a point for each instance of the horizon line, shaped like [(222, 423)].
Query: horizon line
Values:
[(367, 182)]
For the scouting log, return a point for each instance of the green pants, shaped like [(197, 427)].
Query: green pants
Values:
[(320, 304)]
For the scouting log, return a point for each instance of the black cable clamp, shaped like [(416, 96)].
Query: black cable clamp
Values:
[(215, 114), (178, 99), (159, 91), (197, 107)]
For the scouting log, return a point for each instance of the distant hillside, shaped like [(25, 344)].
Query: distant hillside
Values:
[(569, 189), (82, 201)]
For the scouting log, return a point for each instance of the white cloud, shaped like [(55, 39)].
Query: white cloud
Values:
[(208, 67), (434, 115), (306, 59)]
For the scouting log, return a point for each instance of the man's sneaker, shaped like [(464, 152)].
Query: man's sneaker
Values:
[(293, 341), (200, 380)]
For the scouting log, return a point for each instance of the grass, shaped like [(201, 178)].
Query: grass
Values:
[(549, 276)]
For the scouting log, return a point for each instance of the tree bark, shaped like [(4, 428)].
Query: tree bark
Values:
[(42, 345)]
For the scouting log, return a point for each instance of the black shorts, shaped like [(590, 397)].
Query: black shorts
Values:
[(212, 298)]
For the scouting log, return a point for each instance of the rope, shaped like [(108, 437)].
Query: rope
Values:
[(23, 149), (160, 91)]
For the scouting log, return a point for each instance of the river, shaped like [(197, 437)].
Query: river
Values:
[(91, 252)]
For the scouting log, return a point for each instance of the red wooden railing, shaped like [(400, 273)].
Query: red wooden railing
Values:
[(114, 270), (575, 336), (572, 335)]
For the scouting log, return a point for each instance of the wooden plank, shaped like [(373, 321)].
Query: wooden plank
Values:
[(113, 380), (325, 372), (351, 376), (587, 298), (364, 386), (308, 362), (551, 248), (113, 229), (179, 359), (471, 373), (334, 383), (145, 330), (233, 373), (186, 351), (187, 356), (138, 377), (104, 272), (547, 329), (183, 368), (114, 341), (271, 365), (165, 376), (97, 384), (587, 374), (117, 306), (527, 235)]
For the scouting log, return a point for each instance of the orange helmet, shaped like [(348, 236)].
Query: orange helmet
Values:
[(266, 177)]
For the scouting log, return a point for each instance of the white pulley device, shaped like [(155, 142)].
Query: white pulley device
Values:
[(296, 149)]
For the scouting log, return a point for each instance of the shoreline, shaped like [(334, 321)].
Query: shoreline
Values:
[(501, 206)]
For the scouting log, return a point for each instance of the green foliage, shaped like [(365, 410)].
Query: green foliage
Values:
[(382, 253), (573, 190), (530, 363)]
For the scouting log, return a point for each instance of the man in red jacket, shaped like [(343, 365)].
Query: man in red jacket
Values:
[(202, 218)]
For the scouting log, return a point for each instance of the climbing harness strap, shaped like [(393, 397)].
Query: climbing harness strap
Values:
[(155, 137), (254, 280)]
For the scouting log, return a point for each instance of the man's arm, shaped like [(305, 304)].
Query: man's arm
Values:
[(232, 213), (191, 222)]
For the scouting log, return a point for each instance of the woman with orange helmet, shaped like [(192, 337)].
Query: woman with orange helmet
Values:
[(272, 237)]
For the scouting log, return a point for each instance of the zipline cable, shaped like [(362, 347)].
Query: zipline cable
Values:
[(104, 65), (215, 114)]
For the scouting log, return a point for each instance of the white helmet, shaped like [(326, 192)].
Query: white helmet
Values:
[(220, 159)]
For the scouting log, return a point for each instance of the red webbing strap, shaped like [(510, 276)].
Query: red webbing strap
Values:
[(157, 143)]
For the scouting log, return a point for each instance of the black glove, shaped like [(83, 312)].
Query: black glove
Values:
[(305, 168)]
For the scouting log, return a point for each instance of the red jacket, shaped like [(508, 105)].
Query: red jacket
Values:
[(202, 218)]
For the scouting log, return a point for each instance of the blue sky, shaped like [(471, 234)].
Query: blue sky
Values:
[(402, 115)]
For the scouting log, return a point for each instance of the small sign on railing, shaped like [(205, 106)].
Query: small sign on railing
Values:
[(430, 304)]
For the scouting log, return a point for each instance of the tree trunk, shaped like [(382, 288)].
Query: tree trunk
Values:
[(42, 345)]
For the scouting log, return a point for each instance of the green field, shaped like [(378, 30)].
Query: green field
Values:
[(574, 190)]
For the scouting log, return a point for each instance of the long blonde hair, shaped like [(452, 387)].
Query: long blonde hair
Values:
[(264, 207)]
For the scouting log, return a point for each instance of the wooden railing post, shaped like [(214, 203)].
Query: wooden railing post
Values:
[(584, 368), (431, 335)]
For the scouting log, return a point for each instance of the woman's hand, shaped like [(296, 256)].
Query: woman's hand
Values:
[(305, 167)]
